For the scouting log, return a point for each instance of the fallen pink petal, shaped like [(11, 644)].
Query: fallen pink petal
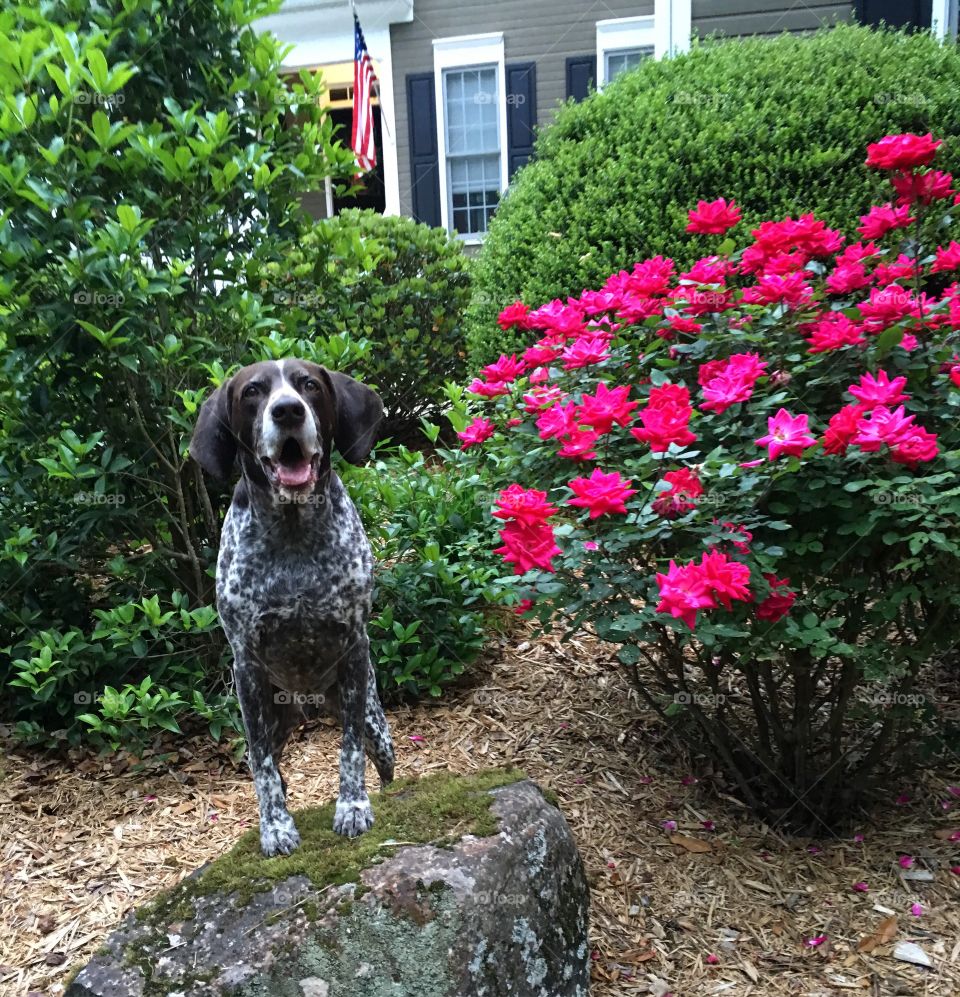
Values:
[(815, 941), (861, 887), (905, 861), (916, 910), (669, 825), (416, 738)]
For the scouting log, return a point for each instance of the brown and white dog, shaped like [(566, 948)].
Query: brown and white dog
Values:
[(295, 575)]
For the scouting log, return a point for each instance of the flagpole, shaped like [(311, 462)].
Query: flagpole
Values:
[(383, 117)]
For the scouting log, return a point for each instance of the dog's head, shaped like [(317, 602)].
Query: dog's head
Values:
[(283, 418)]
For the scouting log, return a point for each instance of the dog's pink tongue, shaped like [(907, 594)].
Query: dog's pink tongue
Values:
[(294, 475)]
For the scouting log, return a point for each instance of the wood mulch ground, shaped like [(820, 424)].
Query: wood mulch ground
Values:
[(722, 905)]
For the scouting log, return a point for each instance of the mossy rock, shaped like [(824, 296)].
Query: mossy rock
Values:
[(465, 885), (439, 809)]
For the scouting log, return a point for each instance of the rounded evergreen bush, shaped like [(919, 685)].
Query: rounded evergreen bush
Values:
[(396, 283), (778, 124)]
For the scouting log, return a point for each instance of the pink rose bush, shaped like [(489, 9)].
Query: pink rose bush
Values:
[(742, 473)]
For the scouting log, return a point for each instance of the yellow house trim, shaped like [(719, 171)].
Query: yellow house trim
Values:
[(338, 81)]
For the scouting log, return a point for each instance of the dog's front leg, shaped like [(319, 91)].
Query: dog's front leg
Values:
[(354, 814), (261, 719)]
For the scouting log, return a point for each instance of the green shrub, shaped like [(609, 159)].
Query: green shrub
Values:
[(149, 175), (778, 124), (401, 286), (427, 522)]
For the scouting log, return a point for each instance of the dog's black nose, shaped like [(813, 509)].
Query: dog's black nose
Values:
[(288, 412)]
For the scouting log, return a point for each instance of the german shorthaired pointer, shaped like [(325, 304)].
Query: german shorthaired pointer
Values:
[(295, 575)]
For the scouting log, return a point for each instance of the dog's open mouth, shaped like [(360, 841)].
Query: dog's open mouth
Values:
[(292, 467)]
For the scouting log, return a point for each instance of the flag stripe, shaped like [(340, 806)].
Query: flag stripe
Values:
[(361, 140)]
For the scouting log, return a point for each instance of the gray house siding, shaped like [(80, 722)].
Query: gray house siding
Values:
[(756, 17), (543, 31), (549, 32)]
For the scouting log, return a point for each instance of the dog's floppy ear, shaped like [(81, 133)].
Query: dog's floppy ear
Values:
[(358, 415), (213, 445)]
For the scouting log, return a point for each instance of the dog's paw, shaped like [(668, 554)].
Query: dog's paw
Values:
[(351, 819), (279, 836)]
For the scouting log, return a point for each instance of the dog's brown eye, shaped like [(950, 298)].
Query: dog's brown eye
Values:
[(311, 384), (251, 391)]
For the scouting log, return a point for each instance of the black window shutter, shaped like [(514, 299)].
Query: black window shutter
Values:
[(581, 75), (424, 162), (895, 13), (521, 113)]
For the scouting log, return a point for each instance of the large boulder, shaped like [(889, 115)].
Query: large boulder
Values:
[(466, 887)]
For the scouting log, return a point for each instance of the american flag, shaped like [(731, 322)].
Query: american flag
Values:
[(363, 78)]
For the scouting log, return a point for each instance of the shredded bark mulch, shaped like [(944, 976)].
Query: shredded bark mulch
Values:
[(691, 895)]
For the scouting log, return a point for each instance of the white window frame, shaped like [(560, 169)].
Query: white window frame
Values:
[(464, 52), (666, 31), (943, 19)]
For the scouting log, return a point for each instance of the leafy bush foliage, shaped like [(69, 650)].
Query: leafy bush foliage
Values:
[(401, 286), (745, 476), (151, 176), (773, 123), (426, 519)]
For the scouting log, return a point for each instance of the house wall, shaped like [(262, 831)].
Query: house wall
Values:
[(760, 17), (550, 31), (545, 31)]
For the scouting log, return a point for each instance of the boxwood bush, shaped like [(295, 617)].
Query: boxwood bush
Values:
[(778, 124), (401, 286)]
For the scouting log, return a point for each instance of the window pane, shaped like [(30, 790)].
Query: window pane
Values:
[(472, 112), (472, 127), (623, 59), (474, 191)]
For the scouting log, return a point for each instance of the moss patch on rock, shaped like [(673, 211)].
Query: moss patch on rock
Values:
[(438, 809)]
